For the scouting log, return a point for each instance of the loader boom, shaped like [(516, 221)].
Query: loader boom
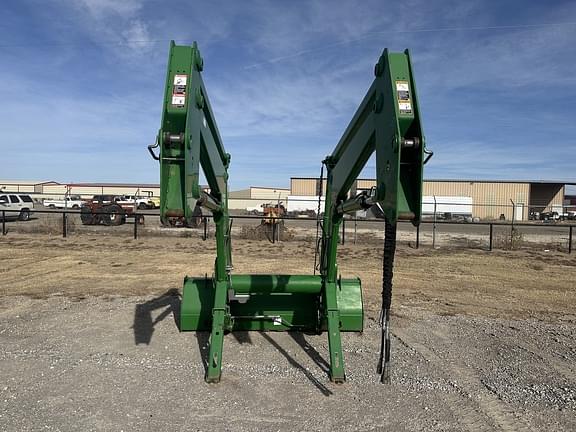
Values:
[(387, 123), (188, 139)]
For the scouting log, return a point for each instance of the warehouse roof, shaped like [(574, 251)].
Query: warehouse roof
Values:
[(270, 188), (502, 181), (141, 185), (27, 182), (568, 182)]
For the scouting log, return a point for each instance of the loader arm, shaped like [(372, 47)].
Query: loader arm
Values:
[(387, 123), (189, 140)]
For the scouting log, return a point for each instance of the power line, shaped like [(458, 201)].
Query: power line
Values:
[(363, 37), (429, 30), (84, 44), (501, 27)]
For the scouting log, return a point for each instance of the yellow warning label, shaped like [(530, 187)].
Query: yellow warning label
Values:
[(404, 99)]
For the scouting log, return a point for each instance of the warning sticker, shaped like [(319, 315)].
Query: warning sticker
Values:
[(178, 100), (180, 80), (179, 89), (401, 85), (404, 102), (277, 321), (405, 107), (403, 90)]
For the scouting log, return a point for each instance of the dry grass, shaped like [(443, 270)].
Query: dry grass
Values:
[(50, 225), (265, 232), (502, 283)]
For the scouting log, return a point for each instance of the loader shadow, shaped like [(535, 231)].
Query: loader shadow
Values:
[(170, 302), (203, 338), (299, 338), (311, 351), (144, 323)]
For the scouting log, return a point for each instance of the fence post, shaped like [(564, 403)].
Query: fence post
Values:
[(434, 226), (205, 223), (64, 225), (343, 230), (570, 240), (512, 229), (135, 226), (491, 233), (3, 223), (417, 236)]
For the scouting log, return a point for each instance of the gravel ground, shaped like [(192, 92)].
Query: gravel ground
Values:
[(120, 364), (88, 341)]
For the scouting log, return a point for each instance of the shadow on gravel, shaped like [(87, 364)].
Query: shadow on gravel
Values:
[(323, 389), (242, 337), (203, 338), (311, 351), (144, 324)]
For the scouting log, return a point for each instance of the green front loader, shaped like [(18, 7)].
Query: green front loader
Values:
[(387, 123)]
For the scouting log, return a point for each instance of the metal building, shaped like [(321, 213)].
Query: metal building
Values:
[(492, 199), (52, 189), (254, 197), (25, 186)]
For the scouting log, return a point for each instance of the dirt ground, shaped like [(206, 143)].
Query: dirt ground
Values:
[(481, 341)]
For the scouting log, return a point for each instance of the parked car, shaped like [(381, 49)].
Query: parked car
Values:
[(141, 203), (24, 205), (153, 202), (549, 216), (72, 201)]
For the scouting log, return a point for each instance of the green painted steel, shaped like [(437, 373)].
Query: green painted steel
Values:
[(387, 123), (271, 311), (399, 166), (188, 138), (243, 284)]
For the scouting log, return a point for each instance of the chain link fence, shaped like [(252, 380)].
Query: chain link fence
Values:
[(432, 233)]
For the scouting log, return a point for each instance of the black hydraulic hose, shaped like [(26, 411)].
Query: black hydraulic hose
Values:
[(150, 149), (318, 220), (383, 368), (429, 154), (229, 243)]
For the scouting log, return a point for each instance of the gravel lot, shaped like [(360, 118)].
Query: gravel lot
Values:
[(481, 341)]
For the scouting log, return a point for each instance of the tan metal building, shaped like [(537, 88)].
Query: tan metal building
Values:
[(139, 189), (255, 192), (52, 189), (253, 197), (491, 198), (25, 186)]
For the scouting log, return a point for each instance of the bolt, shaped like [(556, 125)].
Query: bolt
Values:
[(199, 99), (378, 103)]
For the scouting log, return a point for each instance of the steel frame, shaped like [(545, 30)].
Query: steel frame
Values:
[(387, 122)]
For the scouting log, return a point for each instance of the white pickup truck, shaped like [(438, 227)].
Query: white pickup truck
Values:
[(71, 202), (141, 202)]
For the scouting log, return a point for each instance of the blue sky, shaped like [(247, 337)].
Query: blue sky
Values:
[(81, 83)]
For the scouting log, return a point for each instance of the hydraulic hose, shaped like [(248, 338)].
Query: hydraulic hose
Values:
[(383, 367)]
